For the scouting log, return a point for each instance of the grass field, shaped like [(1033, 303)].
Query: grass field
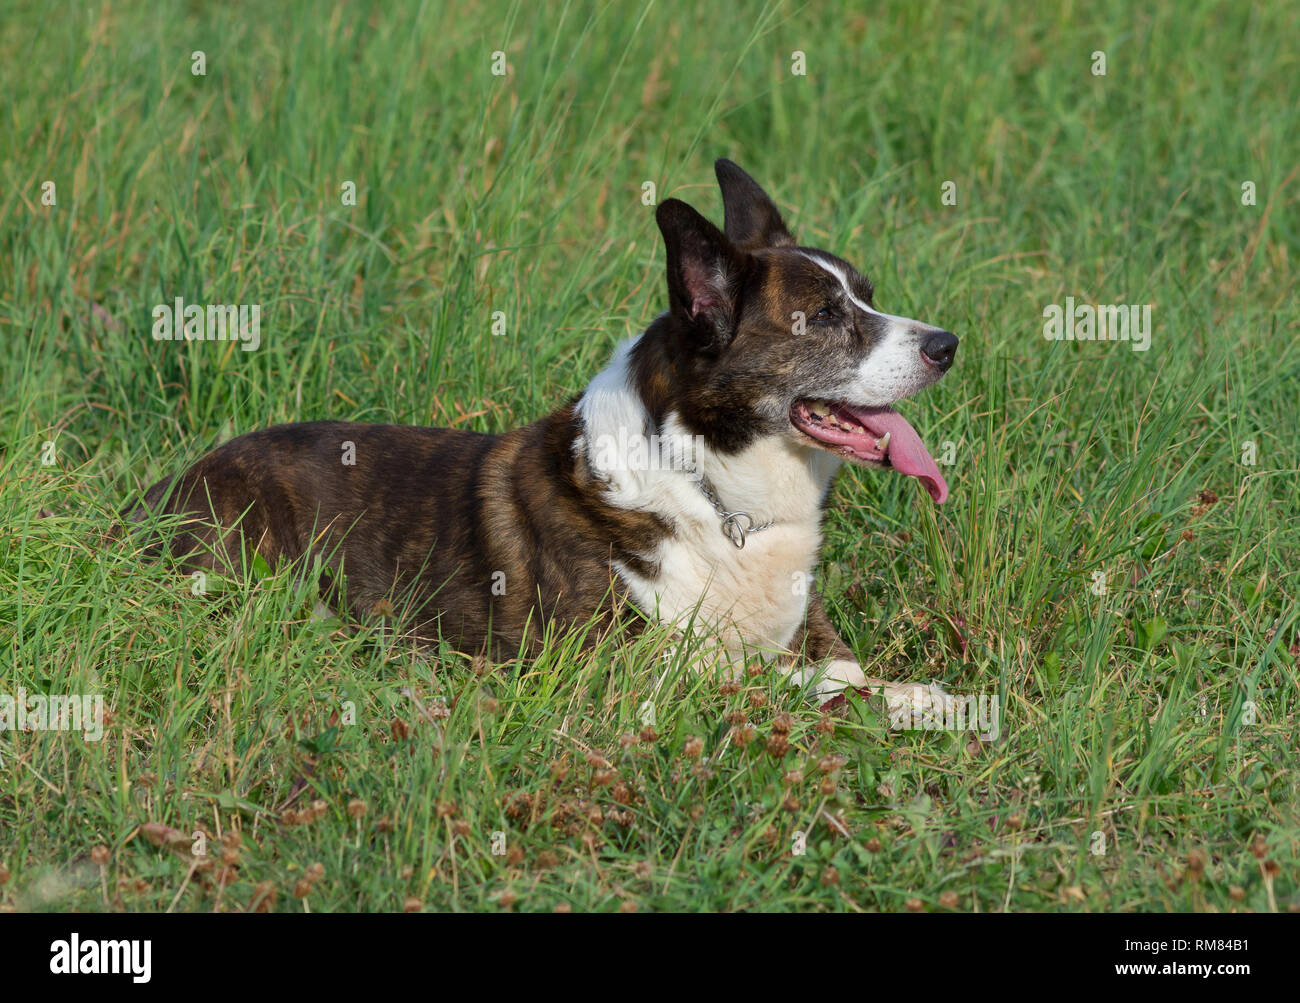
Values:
[(1118, 564)]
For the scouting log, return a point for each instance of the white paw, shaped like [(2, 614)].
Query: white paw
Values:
[(830, 682), (911, 706), (914, 706)]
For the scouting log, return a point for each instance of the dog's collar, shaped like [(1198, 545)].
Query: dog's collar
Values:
[(732, 527)]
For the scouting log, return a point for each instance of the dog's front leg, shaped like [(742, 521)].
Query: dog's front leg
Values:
[(817, 645)]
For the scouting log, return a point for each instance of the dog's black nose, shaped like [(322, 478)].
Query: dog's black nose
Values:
[(939, 349)]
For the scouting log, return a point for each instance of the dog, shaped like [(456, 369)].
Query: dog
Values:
[(687, 484)]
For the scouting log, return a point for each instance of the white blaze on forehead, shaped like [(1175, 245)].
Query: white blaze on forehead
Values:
[(831, 268)]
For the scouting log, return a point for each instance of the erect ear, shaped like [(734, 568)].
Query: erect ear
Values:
[(703, 273), (752, 219)]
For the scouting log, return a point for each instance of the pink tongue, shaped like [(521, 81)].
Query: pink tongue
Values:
[(907, 453)]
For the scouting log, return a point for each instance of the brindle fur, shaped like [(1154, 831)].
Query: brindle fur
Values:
[(423, 521)]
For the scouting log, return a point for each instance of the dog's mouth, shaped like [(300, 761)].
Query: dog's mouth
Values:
[(873, 436)]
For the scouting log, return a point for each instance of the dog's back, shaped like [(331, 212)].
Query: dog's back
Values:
[(453, 530)]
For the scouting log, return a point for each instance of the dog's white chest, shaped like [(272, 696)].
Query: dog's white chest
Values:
[(754, 599)]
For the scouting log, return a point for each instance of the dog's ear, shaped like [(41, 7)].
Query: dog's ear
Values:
[(752, 219), (704, 271)]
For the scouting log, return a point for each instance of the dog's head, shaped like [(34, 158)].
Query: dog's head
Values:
[(764, 337)]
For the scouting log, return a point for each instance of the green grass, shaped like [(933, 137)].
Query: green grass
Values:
[(1162, 715)]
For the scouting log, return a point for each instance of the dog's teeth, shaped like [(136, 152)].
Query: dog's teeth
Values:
[(883, 444)]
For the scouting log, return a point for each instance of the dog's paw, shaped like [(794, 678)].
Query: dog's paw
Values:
[(917, 705), (829, 684), (910, 705)]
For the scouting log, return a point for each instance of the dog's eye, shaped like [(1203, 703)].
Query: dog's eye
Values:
[(824, 314)]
